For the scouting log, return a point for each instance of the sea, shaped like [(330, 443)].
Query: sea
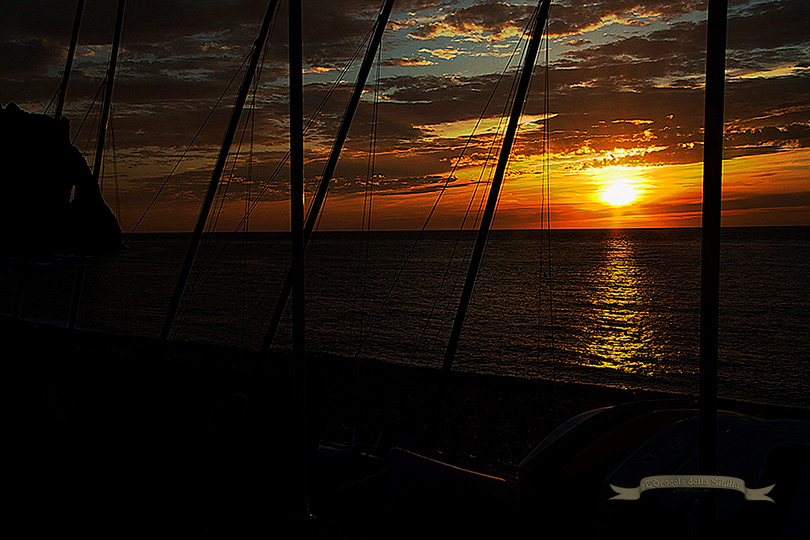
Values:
[(605, 307)]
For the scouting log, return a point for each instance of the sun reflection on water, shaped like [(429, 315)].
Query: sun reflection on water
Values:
[(618, 333)]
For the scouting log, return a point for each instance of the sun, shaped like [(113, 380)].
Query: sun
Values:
[(618, 193)]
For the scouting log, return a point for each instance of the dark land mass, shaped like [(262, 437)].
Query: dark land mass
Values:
[(115, 429)]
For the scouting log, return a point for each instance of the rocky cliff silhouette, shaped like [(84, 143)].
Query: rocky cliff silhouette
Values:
[(49, 202)]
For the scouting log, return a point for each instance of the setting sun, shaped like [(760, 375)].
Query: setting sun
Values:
[(618, 193)]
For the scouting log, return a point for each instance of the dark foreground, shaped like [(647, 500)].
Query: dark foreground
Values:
[(112, 434)]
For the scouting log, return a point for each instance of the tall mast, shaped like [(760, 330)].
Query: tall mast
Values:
[(710, 254), (108, 90), (329, 170), (191, 252), (74, 38), (494, 193), (297, 244), (100, 141)]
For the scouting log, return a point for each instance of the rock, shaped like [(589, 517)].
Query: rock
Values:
[(40, 170)]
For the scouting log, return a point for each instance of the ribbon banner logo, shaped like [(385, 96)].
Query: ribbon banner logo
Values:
[(691, 481)]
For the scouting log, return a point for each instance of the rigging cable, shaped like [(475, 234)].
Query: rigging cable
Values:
[(365, 226), (274, 174), (171, 173), (547, 199), (221, 195), (451, 176), (496, 138), (190, 144)]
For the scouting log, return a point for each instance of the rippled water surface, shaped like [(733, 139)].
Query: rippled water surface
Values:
[(606, 307)]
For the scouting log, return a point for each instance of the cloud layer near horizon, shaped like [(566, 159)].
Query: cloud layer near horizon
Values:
[(625, 86)]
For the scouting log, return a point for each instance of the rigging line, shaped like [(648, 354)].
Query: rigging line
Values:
[(486, 221), (492, 144), (87, 112), (456, 244), (501, 136), (93, 128), (307, 127), (420, 233), (369, 191), (177, 164), (201, 276), (116, 192), (366, 224), (188, 148), (313, 215), (108, 149), (313, 201), (116, 186), (241, 306), (547, 197), (280, 165), (47, 108), (233, 123), (203, 270)]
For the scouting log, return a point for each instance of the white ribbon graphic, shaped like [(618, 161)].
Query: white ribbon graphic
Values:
[(686, 481)]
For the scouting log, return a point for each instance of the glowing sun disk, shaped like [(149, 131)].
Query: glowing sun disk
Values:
[(618, 194)]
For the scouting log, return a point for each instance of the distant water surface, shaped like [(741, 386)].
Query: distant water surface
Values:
[(610, 307)]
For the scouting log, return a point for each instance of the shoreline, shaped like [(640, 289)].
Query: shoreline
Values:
[(489, 423)]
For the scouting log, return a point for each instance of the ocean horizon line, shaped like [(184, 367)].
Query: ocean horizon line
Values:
[(568, 229)]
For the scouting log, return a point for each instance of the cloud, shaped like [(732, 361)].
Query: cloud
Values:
[(488, 21), (633, 96), (408, 62)]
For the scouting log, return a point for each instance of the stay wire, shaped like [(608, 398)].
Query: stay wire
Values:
[(190, 144), (496, 138), (365, 240), (547, 199), (420, 233), (88, 111), (362, 46), (203, 270), (260, 195)]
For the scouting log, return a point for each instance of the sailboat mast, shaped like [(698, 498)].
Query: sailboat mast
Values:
[(495, 190), (100, 141), (191, 252), (302, 374), (710, 252), (108, 90), (329, 170), (74, 38), (297, 175)]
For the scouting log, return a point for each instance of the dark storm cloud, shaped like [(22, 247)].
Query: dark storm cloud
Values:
[(179, 31), (487, 18), (24, 57), (769, 25), (661, 74), (571, 16)]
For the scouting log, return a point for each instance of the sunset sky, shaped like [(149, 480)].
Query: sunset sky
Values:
[(625, 108)]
